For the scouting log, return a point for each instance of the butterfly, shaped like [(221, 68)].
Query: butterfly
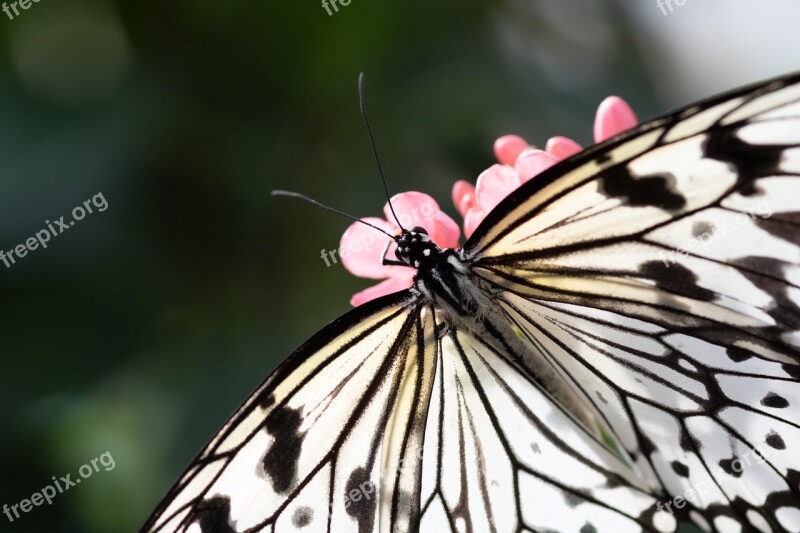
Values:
[(615, 348)]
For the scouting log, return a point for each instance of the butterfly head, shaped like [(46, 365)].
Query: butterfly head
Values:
[(416, 249)]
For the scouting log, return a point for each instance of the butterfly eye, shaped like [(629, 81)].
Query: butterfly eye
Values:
[(419, 229)]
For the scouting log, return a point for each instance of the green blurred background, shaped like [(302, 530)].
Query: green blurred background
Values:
[(139, 330)]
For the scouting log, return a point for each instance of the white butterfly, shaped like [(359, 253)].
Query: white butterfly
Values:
[(584, 363)]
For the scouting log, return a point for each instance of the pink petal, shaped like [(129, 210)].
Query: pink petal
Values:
[(494, 184), (562, 147), (413, 209), (533, 162), (614, 116), (361, 248), (472, 220), (463, 196), (393, 284), (446, 232), (508, 147)]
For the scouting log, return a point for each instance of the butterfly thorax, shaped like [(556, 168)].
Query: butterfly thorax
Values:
[(443, 278)]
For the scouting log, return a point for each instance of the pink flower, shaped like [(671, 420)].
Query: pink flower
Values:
[(361, 247), (519, 162)]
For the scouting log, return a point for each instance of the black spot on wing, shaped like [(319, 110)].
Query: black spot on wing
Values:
[(775, 401), (681, 469), (775, 441), (644, 191), (733, 466), (280, 461), (359, 497), (302, 516), (738, 355), (702, 228), (213, 514), (675, 279), (646, 445)]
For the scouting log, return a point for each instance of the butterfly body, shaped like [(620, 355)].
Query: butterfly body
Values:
[(556, 373)]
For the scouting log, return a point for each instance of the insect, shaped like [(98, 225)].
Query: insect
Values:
[(566, 369)]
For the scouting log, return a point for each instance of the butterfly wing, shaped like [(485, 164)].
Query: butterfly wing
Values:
[(659, 272), (389, 420), (309, 447), (501, 455)]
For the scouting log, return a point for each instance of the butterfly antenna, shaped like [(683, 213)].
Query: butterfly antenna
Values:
[(328, 208), (374, 148)]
